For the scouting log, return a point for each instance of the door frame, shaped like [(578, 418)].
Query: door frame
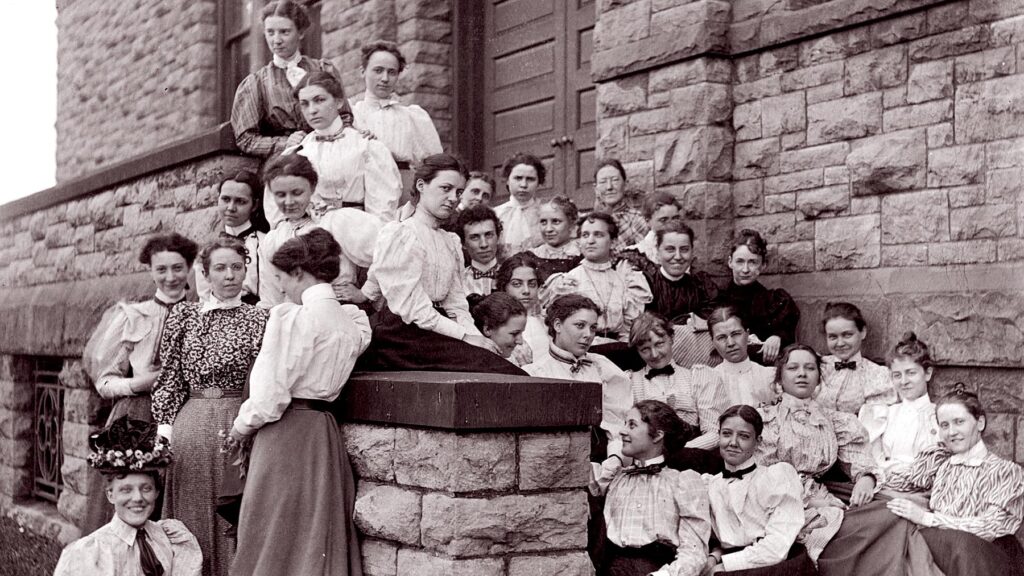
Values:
[(468, 77)]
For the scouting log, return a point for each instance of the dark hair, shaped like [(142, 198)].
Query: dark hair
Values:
[(674, 227), (371, 48), (290, 165), (567, 207), (784, 357), (911, 348), (614, 164), (478, 175), (846, 311), (961, 395), (753, 241), (478, 213), (258, 218), (522, 158), (431, 167), (660, 417), (723, 314), (747, 413), (565, 306), (521, 260), (655, 201), (316, 252), (226, 242), (495, 310), (325, 80), (649, 322), (172, 242), (591, 217), (293, 11)]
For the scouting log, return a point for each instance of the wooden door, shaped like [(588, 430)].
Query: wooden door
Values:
[(538, 97)]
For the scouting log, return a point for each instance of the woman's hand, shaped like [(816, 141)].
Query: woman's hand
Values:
[(176, 533), (522, 355), (367, 134), (348, 292), (770, 348), (482, 342), (294, 139), (906, 509), (863, 490)]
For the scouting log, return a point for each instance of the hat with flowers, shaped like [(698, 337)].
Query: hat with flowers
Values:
[(127, 446)]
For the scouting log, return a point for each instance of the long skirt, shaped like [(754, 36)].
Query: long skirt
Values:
[(397, 346), (637, 561), (195, 476), (296, 515), (875, 542), (797, 563), (963, 554)]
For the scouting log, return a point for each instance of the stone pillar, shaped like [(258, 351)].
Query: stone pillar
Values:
[(470, 474), (84, 412), (15, 428)]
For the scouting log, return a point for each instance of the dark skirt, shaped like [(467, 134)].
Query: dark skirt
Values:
[(397, 346), (961, 553), (637, 561), (296, 514), (873, 541), (797, 563)]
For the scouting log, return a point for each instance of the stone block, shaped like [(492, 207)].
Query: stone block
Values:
[(985, 64), (779, 60), (462, 527), (388, 512), (773, 227), (811, 76), (454, 462), (1004, 186), (775, 203), (1004, 153), (82, 407), (963, 196), (875, 70), (793, 181), (784, 114), (674, 15), (16, 424), (999, 434), (988, 221), (76, 439), (1010, 249), (865, 205), (793, 141), (746, 121), (379, 558), (794, 257), (564, 564), (1009, 31), (814, 157), (966, 252), (748, 197), (940, 135), (963, 40), (915, 217), (705, 200), (926, 114), (845, 118), (701, 104), (930, 81), (612, 135), (623, 96), (623, 25), (758, 89), (901, 255), (848, 242), (371, 451), (888, 163), (990, 110), (16, 453), (79, 477), (824, 202), (690, 72), (72, 507), (898, 30), (956, 166), (413, 562), (15, 482), (694, 155), (16, 395), (986, 10), (554, 460), (893, 97), (830, 91), (836, 175)]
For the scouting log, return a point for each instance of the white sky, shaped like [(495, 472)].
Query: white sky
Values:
[(29, 100)]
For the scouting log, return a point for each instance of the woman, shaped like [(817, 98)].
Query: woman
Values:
[(296, 513), (479, 190), (122, 355), (657, 517), (520, 217), (424, 323), (679, 293), (660, 208), (902, 431), (353, 171), (518, 277), (559, 253), (610, 188), (770, 315), (741, 380), (756, 511), (207, 350), (502, 320), (801, 432), (406, 130), (240, 205), (850, 381)]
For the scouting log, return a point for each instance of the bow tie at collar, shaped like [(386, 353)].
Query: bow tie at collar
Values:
[(478, 273), (738, 474), (243, 234), (666, 370), (292, 71), (575, 364), (850, 365), (649, 469), (215, 303)]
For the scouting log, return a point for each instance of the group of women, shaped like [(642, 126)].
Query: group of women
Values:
[(724, 445)]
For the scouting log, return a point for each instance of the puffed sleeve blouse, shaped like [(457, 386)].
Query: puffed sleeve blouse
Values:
[(765, 312), (112, 550), (309, 352), (621, 296), (130, 345), (900, 432), (406, 130), (849, 389), (418, 269), (976, 492)]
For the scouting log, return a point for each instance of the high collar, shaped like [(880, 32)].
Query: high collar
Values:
[(754, 286), (858, 358), (750, 462), (973, 457), (370, 98), (293, 61), (671, 277), (167, 299), (918, 403), (659, 459), (738, 367), (484, 267), (792, 402), (215, 303), (333, 130), (125, 532), (599, 266), (317, 292), (561, 354), (512, 201), (238, 230)]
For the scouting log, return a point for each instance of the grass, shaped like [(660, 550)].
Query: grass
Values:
[(22, 553)]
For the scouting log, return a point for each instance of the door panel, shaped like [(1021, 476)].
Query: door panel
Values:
[(581, 115)]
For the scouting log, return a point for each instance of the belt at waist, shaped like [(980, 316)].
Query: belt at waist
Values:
[(309, 404), (657, 551), (610, 334), (213, 393)]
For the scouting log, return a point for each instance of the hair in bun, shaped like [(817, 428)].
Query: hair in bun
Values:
[(910, 348), (961, 394), (316, 252)]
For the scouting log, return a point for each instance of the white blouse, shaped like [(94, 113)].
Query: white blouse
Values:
[(406, 130), (125, 345), (308, 352), (747, 383), (648, 246), (482, 286), (353, 169), (535, 336), (568, 250), (762, 513), (681, 391), (848, 389), (621, 296), (520, 225), (900, 432), (112, 550), (418, 266)]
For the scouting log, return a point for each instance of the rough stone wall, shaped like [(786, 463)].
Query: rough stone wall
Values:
[(490, 504), (423, 31), (132, 76)]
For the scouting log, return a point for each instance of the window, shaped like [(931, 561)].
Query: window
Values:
[(47, 447)]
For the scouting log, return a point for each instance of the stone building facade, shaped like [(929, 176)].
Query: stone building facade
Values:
[(878, 145)]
